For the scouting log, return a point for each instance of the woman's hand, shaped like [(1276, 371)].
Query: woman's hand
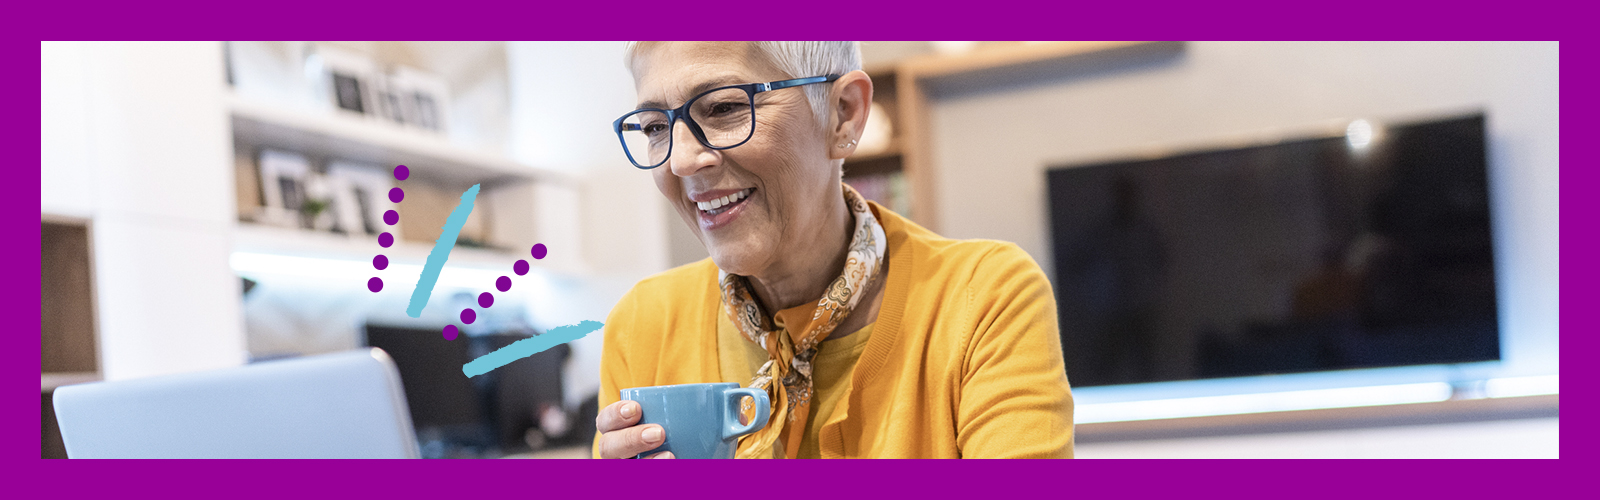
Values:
[(620, 438)]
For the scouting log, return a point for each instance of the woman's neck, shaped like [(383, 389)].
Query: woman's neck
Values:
[(805, 272)]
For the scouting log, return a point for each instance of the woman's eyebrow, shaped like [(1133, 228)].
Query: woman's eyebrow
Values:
[(703, 86)]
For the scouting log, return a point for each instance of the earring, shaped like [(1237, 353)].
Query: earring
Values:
[(852, 143)]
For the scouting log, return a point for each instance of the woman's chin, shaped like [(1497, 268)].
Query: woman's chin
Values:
[(736, 258)]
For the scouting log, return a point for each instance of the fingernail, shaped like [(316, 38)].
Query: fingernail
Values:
[(626, 410), (666, 454), (652, 434)]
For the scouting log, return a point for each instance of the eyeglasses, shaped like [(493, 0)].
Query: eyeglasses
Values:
[(720, 118)]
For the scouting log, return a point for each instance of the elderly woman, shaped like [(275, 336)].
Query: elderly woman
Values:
[(873, 336)]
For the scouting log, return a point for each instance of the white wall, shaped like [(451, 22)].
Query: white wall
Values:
[(993, 144), (564, 96), (135, 138)]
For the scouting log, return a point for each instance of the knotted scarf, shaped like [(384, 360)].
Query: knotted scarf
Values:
[(791, 340)]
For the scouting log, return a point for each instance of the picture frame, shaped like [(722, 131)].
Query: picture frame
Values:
[(361, 196), (283, 182), (352, 80), (421, 98)]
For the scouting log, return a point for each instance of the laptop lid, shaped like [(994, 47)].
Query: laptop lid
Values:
[(342, 405)]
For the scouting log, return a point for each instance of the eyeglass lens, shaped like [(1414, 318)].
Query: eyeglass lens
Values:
[(724, 117)]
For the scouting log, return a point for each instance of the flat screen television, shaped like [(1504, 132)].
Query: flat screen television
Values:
[(1368, 249)]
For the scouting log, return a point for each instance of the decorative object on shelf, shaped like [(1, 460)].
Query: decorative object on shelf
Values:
[(314, 214), (314, 207), (283, 186), (360, 194), (417, 98), (349, 77), (347, 93), (400, 94)]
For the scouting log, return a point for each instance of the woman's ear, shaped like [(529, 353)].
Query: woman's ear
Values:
[(852, 100)]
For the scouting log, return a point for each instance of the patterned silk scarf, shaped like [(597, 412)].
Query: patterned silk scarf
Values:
[(791, 341)]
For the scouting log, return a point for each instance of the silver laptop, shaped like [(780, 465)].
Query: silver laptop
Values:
[(344, 405)]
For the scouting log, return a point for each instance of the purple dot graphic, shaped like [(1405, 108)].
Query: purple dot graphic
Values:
[(401, 172), (450, 332), (539, 251), (380, 262), (521, 267), (485, 300), (375, 284), (503, 284), (385, 240), (468, 316), (391, 217), (397, 194)]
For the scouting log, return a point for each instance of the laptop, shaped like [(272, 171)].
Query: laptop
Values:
[(342, 405)]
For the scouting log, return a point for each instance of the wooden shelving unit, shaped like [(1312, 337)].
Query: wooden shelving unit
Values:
[(875, 173), (69, 339), (69, 334), (902, 89)]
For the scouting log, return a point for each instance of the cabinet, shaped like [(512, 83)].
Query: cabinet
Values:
[(69, 353)]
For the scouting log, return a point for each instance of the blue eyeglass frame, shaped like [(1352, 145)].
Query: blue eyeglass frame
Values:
[(673, 115)]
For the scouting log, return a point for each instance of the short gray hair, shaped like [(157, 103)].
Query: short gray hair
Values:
[(800, 60)]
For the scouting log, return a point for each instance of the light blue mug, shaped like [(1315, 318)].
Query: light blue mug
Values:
[(701, 420)]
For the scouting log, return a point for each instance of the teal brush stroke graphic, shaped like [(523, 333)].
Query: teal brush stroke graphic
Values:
[(441, 252), (528, 347)]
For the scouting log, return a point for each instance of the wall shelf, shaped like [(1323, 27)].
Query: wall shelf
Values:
[(272, 240), (342, 135), (433, 160)]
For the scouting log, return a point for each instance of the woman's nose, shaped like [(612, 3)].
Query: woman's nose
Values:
[(688, 154)]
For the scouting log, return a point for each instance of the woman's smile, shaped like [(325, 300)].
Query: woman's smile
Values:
[(718, 208)]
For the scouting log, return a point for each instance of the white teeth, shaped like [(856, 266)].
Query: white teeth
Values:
[(711, 206)]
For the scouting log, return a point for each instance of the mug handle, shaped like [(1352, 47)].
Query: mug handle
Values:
[(730, 414)]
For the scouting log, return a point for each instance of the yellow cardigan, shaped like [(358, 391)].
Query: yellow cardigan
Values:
[(964, 359)]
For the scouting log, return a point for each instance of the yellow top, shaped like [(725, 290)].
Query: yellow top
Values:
[(836, 357), (964, 359)]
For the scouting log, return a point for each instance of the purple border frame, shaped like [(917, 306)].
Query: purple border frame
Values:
[(1361, 19)]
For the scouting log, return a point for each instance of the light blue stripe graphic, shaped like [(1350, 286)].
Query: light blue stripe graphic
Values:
[(528, 347), (441, 252)]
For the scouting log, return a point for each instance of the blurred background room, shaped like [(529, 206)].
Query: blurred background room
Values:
[(1259, 249)]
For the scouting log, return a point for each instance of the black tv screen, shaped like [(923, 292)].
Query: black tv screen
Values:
[(1370, 249)]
